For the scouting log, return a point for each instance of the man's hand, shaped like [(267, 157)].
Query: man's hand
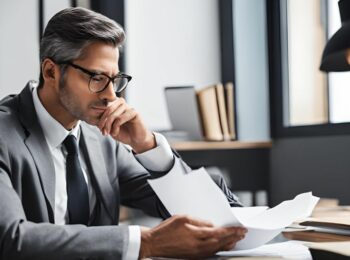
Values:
[(124, 124), (185, 237)]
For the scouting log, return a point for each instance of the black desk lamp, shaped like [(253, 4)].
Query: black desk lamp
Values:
[(336, 54)]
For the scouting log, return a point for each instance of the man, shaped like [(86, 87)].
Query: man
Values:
[(64, 168)]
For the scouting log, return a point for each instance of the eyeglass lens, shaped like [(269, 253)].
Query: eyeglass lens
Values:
[(99, 83)]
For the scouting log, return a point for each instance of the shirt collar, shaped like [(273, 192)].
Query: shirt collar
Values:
[(54, 132)]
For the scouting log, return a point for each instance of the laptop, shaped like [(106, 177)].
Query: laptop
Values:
[(183, 112)]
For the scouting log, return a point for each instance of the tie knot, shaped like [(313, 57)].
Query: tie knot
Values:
[(71, 144)]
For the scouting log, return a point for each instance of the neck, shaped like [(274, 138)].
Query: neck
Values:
[(51, 102)]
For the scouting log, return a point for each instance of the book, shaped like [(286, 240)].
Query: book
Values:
[(209, 111), (216, 106), (314, 236), (220, 95), (340, 223), (230, 107)]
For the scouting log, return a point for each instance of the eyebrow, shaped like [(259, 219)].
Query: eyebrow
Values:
[(99, 72)]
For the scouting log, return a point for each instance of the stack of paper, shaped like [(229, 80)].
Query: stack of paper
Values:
[(196, 195), (336, 225), (289, 250)]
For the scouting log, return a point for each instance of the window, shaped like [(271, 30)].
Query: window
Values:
[(303, 39), (306, 101)]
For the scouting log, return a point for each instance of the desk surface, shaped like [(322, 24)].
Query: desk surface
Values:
[(202, 145)]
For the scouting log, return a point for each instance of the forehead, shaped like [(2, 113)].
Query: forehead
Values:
[(101, 57)]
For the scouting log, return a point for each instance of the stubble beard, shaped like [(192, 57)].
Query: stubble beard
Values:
[(71, 104)]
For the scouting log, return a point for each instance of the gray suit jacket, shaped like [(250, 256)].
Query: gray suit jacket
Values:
[(27, 190)]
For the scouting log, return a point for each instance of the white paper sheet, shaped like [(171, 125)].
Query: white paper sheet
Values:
[(195, 194), (288, 250)]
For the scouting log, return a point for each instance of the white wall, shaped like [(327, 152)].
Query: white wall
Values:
[(19, 44), (51, 7), (251, 70), (169, 43)]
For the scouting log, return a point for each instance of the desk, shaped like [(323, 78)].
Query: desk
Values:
[(247, 163)]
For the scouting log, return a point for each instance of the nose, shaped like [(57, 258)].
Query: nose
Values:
[(108, 94)]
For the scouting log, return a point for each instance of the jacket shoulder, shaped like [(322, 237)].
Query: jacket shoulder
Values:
[(9, 117)]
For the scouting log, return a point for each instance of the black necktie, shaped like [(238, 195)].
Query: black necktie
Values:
[(78, 197)]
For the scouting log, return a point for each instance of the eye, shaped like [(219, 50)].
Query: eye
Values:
[(98, 78)]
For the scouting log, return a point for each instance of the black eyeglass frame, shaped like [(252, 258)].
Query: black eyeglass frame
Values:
[(93, 74)]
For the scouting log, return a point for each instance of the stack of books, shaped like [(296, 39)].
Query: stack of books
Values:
[(217, 112)]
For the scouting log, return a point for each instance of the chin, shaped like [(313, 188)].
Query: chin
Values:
[(91, 120)]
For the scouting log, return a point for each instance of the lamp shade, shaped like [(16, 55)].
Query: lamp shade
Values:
[(334, 54)]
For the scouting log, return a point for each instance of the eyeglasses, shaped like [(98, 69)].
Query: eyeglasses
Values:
[(98, 82)]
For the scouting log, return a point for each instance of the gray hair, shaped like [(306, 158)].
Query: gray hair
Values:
[(71, 30)]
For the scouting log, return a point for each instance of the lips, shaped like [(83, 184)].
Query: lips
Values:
[(102, 109), (98, 110)]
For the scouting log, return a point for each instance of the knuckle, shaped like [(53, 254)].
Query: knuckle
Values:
[(186, 218), (178, 219), (134, 112), (182, 218), (122, 100), (115, 121)]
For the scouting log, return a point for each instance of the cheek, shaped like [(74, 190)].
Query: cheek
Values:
[(79, 93)]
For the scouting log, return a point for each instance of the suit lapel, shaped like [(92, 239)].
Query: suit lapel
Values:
[(36, 144), (97, 165), (45, 167)]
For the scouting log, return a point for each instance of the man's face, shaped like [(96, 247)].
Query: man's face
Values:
[(74, 93)]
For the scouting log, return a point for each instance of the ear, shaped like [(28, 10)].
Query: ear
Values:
[(50, 71)]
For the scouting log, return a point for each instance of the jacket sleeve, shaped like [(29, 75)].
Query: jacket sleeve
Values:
[(22, 239)]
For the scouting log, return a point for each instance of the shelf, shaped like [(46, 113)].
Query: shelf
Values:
[(202, 145)]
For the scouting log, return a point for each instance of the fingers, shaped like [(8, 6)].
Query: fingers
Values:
[(118, 103), (198, 238), (126, 116), (212, 245), (209, 232), (205, 229), (228, 246), (218, 239), (116, 115)]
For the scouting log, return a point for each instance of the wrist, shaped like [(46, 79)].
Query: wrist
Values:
[(146, 243), (147, 144)]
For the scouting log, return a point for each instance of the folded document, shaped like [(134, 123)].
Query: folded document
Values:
[(195, 194)]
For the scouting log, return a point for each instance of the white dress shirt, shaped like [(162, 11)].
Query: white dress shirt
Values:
[(158, 159)]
